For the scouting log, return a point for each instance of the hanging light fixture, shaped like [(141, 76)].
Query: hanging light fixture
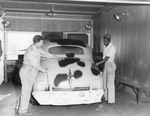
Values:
[(6, 23), (86, 26), (51, 13), (118, 16)]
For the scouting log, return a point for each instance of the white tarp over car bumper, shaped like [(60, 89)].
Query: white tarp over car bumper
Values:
[(68, 97)]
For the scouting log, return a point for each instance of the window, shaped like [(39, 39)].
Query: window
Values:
[(17, 42), (82, 36), (65, 50)]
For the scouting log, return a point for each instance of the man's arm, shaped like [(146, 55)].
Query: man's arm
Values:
[(108, 55), (34, 63), (103, 61), (49, 55)]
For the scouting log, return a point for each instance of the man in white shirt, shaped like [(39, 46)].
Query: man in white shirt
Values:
[(0, 50), (109, 69), (1, 64), (29, 71)]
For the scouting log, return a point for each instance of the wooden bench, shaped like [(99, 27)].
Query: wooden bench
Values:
[(138, 89)]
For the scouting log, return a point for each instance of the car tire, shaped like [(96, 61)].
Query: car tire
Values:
[(33, 101)]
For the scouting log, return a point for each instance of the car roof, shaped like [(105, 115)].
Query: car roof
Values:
[(69, 42)]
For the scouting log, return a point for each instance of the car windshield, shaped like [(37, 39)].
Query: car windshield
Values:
[(65, 50)]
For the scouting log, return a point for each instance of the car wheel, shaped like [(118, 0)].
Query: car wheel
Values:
[(33, 101)]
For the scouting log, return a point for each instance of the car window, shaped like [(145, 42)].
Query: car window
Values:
[(65, 50)]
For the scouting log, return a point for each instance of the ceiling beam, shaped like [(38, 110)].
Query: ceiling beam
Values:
[(50, 18), (32, 11), (117, 1), (55, 3), (98, 1)]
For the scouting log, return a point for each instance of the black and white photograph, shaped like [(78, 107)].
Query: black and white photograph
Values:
[(74, 58)]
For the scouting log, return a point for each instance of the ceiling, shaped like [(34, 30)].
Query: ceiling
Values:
[(55, 8)]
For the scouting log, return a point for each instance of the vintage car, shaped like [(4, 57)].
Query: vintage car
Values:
[(71, 81)]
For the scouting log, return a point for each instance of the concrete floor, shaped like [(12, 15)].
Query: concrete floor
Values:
[(125, 105)]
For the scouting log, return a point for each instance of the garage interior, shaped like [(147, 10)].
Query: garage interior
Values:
[(128, 21)]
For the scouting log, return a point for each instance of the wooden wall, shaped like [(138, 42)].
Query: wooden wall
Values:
[(47, 25), (131, 36)]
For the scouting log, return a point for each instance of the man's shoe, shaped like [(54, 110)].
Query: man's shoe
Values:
[(100, 106), (104, 100), (25, 114)]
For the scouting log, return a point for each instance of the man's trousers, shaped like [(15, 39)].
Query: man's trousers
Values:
[(109, 81), (27, 75)]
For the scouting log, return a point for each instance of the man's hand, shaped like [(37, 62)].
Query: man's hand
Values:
[(94, 65), (60, 58)]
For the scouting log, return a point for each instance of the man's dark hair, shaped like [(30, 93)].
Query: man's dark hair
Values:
[(37, 38)]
